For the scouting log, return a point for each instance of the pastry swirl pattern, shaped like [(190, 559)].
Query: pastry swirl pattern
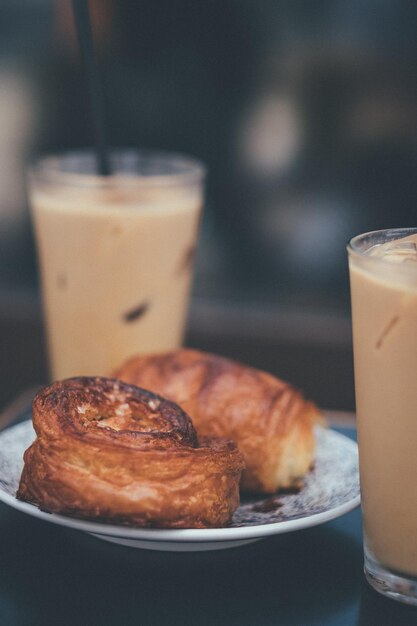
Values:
[(111, 451)]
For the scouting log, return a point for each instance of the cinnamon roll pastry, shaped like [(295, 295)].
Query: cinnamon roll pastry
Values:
[(270, 421), (111, 451)]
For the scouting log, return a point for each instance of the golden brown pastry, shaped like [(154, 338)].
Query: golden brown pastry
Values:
[(270, 421), (111, 451)]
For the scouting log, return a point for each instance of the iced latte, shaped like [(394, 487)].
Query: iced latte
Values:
[(383, 275), (116, 255)]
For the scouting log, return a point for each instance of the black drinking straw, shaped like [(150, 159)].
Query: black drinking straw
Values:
[(85, 39)]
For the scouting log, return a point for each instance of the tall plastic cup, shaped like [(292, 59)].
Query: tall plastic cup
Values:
[(115, 253), (383, 276)]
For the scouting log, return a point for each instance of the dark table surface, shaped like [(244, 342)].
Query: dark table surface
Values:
[(57, 576)]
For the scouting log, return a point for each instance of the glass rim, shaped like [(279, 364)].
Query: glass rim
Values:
[(47, 168), (397, 233)]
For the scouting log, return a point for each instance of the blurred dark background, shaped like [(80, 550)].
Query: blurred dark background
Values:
[(306, 115)]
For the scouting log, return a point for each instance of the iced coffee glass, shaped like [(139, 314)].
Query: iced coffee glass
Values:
[(383, 276), (115, 253)]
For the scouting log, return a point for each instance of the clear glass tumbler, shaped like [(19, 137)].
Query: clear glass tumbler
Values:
[(116, 254), (383, 278)]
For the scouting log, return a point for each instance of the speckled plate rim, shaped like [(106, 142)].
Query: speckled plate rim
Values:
[(192, 534)]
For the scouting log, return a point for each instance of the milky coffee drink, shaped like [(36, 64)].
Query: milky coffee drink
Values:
[(384, 315), (116, 258)]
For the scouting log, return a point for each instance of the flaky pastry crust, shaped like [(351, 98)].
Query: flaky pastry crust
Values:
[(269, 420), (111, 451)]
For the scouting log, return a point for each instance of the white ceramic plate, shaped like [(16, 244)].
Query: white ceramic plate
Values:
[(330, 490)]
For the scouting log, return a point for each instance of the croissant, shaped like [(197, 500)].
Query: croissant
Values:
[(110, 451), (271, 423)]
